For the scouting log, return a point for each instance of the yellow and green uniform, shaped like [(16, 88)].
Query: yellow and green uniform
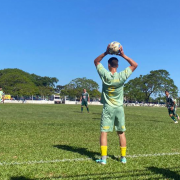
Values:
[(1, 95), (112, 98)]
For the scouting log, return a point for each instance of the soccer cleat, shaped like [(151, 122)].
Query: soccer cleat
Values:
[(101, 161), (123, 160), (175, 122)]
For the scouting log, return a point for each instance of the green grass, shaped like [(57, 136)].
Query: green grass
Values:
[(31, 133)]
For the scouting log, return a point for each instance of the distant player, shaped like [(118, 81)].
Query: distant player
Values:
[(112, 100), (84, 99), (171, 105), (1, 95)]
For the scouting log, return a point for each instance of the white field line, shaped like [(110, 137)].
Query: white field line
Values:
[(151, 155), (82, 159)]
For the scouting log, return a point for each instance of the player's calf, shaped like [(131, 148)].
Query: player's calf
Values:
[(87, 109)]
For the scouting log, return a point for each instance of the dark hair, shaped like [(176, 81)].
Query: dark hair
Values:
[(166, 91), (113, 61)]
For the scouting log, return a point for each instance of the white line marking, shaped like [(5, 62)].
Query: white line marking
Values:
[(82, 159), (151, 155), (43, 162)]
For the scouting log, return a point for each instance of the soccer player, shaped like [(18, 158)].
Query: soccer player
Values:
[(1, 95), (171, 105), (84, 100), (112, 100)]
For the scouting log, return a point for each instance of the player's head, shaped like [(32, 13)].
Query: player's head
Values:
[(84, 90), (113, 63), (0, 89), (167, 92)]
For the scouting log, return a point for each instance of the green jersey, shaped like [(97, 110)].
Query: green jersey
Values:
[(85, 96), (113, 85), (170, 101)]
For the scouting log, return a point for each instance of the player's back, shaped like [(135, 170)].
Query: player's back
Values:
[(112, 87), (170, 100), (113, 84)]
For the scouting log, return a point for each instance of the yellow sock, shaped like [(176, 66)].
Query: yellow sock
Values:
[(103, 150), (123, 151)]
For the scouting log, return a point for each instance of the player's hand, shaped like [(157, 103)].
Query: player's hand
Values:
[(121, 51), (107, 50), (172, 108)]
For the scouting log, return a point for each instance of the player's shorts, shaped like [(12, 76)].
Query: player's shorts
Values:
[(172, 111), (84, 103), (112, 117)]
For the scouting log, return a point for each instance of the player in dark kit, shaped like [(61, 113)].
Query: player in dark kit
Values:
[(84, 99), (171, 105)]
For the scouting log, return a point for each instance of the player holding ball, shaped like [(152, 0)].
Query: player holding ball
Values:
[(112, 100)]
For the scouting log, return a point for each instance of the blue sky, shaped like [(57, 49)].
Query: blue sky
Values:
[(61, 38)]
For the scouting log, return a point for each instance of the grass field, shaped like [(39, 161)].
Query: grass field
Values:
[(58, 142)]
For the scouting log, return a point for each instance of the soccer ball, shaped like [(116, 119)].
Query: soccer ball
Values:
[(114, 47)]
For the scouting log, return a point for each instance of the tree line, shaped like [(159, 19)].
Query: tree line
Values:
[(19, 83), (144, 88), (75, 87), (154, 84)]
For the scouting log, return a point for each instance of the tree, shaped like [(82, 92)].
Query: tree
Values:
[(58, 89), (155, 83), (132, 90), (45, 91), (16, 82), (95, 94), (81, 83), (19, 83), (75, 87), (44, 81)]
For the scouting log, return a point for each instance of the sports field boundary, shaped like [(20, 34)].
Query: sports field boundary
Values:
[(82, 159)]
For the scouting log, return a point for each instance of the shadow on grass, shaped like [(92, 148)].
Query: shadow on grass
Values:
[(82, 151), (20, 178), (135, 174), (167, 173), (149, 173), (114, 158), (97, 113), (96, 118)]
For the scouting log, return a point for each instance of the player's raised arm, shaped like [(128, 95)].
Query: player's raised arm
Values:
[(133, 64), (100, 57)]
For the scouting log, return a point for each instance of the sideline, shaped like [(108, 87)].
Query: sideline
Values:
[(82, 159)]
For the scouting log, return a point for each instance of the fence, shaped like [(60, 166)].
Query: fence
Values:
[(78, 103)]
